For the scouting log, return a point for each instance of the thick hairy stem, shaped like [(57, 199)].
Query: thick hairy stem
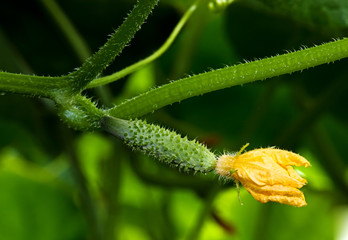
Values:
[(94, 65), (230, 76), (132, 68), (30, 84)]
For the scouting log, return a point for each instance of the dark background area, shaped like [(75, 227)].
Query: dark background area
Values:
[(59, 184)]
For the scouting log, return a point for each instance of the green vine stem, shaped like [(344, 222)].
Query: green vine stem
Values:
[(94, 65), (80, 113), (30, 84), (183, 57), (231, 76), (136, 66)]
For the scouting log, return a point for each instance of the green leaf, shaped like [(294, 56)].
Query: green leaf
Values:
[(139, 82), (34, 204), (324, 15), (93, 150)]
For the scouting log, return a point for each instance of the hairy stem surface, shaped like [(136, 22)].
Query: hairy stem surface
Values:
[(94, 65), (136, 66), (230, 76)]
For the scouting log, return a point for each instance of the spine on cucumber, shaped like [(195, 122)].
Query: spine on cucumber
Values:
[(160, 143)]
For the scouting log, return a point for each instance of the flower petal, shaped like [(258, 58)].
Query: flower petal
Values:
[(262, 167), (287, 158), (277, 193), (267, 173)]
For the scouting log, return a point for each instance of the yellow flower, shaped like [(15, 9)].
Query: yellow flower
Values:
[(267, 174)]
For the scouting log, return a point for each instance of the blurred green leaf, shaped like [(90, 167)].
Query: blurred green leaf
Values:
[(324, 15), (92, 150), (315, 175), (32, 205), (254, 220), (138, 82)]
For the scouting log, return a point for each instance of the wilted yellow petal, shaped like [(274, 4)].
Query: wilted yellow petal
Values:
[(267, 174), (287, 158), (277, 193)]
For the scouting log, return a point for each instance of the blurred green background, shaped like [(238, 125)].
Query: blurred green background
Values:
[(59, 184)]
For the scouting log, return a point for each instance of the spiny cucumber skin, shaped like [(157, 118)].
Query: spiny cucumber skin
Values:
[(162, 144)]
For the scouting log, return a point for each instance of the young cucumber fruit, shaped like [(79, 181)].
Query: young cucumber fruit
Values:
[(160, 143)]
